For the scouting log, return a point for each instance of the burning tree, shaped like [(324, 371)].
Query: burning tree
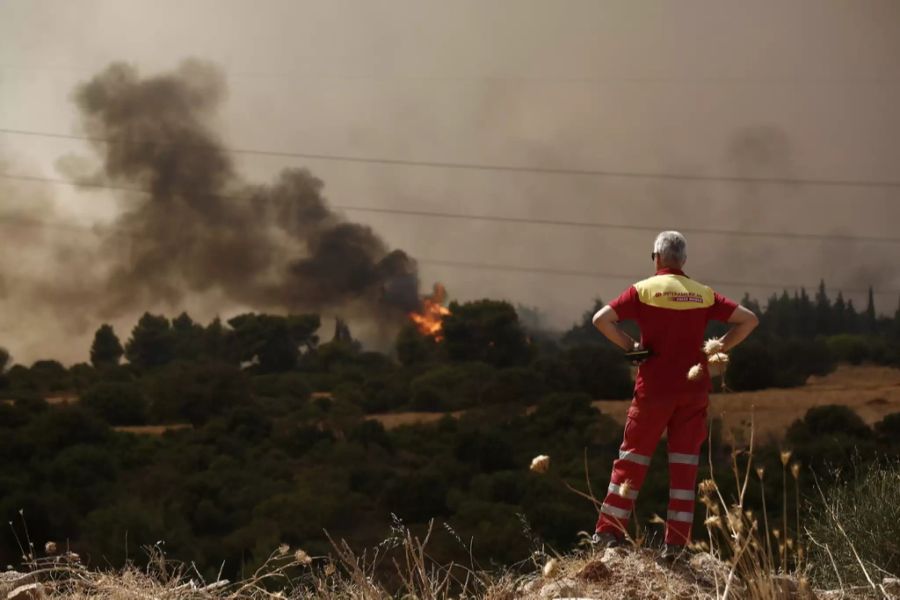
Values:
[(429, 320)]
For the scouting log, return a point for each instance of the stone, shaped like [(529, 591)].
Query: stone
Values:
[(708, 568), (612, 556), (564, 588)]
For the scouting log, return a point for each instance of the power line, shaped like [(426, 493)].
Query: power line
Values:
[(530, 79), (599, 225), (579, 273), (600, 275), (858, 183), (522, 220)]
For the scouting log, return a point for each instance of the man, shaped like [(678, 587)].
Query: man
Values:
[(672, 312)]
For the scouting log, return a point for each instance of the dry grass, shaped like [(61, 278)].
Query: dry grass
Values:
[(872, 392), (152, 429), (62, 398), (394, 420)]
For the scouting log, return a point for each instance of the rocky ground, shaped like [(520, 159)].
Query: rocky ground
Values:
[(611, 574), (626, 574)]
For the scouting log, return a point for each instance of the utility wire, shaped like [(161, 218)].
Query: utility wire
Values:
[(16, 220), (858, 183), (599, 275), (521, 220), (530, 79)]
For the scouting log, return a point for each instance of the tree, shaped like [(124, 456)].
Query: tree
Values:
[(869, 318), (752, 367), (49, 375), (851, 318), (487, 331), (412, 347), (152, 343), (196, 391), (897, 322), (6, 358), (106, 350), (584, 331), (273, 341), (839, 316), (188, 337), (600, 371), (823, 311)]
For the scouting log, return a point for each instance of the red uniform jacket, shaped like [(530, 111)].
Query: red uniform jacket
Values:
[(672, 311)]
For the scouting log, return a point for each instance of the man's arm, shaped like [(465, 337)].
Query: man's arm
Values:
[(605, 320), (743, 321)]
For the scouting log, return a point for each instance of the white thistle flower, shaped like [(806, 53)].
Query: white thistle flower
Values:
[(713, 346), (696, 372), (551, 567), (719, 358), (718, 362), (540, 464)]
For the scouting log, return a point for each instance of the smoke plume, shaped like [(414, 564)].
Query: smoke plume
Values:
[(202, 229)]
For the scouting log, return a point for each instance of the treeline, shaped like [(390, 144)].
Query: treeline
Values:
[(280, 447)]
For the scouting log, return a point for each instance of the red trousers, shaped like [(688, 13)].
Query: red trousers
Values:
[(683, 416)]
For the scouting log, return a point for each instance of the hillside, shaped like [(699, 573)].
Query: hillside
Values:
[(873, 392)]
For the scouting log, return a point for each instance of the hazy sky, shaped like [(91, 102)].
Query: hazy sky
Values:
[(800, 90)]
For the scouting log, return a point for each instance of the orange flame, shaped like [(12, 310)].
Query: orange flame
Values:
[(430, 319)]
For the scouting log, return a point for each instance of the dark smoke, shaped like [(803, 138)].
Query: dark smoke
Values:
[(203, 229)]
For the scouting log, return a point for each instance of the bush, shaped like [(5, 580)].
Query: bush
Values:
[(451, 387), (888, 430), (599, 371), (868, 510), (117, 403), (853, 349), (515, 385), (773, 362), (830, 435)]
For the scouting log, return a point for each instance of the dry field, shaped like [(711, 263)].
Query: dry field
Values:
[(871, 391), (152, 429)]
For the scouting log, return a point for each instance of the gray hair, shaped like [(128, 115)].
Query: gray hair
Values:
[(671, 247)]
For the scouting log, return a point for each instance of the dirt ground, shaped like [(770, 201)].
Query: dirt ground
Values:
[(871, 391)]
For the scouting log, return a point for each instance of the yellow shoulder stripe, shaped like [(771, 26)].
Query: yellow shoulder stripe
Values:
[(675, 292)]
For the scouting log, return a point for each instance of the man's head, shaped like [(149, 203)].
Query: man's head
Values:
[(670, 250)]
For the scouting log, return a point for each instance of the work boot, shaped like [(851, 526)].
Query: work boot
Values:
[(673, 554), (605, 539)]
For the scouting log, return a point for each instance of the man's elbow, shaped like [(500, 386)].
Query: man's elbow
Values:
[(752, 320), (604, 315), (744, 317)]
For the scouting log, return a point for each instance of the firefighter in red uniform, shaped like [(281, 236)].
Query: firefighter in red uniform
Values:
[(672, 312)]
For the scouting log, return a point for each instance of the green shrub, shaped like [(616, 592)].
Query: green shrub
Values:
[(849, 348), (762, 363), (829, 436), (451, 387), (117, 403), (599, 371)]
